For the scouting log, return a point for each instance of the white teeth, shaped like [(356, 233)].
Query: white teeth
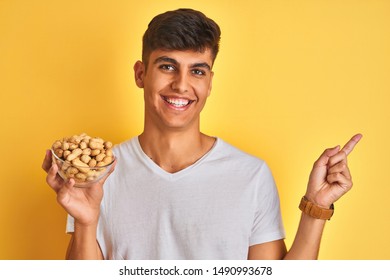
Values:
[(177, 102)]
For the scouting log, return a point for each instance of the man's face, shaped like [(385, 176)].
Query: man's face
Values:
[(176, 86)]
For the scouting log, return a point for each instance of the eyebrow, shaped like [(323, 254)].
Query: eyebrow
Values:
[(174, 61)]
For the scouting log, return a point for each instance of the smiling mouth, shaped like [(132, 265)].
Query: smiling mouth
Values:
[(177, 102)]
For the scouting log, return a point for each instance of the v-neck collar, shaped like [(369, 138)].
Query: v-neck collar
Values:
[(165, 174)]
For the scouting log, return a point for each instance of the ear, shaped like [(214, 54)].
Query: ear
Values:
[(139, 73)]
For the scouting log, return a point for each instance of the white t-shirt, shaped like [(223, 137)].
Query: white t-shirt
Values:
[(213, 209)]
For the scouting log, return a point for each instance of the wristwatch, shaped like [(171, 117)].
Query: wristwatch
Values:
[(314, 210)]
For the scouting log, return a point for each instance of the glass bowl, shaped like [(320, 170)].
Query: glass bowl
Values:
[(83, 175)]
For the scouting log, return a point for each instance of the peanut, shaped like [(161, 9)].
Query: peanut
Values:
[(79, 153), (57, 145), (100, 164), (107, 159), (66, 153), (92, 163), (95, 145), (76, 139), (83, 145), (100, 157), (83, 167), (107, 145), (75, 153), (72, 170), (59, 152), (86, 151), (65, 146), (73, 146), (97, 139), (95, 152), (109, 153), (81, 176), (85, 158)]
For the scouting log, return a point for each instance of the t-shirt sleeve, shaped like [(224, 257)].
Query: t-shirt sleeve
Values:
[(268, 225)]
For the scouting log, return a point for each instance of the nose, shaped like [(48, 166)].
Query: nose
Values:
[(180, 83)]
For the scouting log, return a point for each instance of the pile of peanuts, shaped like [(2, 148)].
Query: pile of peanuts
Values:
[(81, 152)]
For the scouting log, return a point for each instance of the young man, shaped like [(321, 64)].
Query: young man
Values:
[(177, 193)]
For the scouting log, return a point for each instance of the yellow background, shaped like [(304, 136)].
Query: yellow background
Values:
[(292, 78)]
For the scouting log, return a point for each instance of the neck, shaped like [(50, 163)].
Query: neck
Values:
[(175, 151)]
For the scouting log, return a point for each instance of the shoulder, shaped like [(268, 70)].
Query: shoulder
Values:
[(231, 152), (248, 169), (240, 160), (127, 157), (126, 144), (126, 154), (123, 149)]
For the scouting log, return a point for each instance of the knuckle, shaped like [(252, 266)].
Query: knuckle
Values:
[(343, 165), (343, 154)]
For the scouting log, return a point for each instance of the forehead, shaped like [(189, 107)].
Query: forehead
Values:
[(186, 57)]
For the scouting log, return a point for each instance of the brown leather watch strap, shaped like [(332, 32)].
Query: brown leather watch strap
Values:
[(314, 210)]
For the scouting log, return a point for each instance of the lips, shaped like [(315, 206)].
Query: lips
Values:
[(177, 102)]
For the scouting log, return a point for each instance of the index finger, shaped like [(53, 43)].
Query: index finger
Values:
[(348, 148)]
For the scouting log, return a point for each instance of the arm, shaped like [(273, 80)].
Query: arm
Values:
[(306, 243), (83, 246), (329, 179), (83, 204), (274, 250)]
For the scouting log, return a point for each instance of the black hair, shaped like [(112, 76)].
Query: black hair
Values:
[(182, 29)]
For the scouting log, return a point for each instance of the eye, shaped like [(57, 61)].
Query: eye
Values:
[(198, 72), (167, 67)]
